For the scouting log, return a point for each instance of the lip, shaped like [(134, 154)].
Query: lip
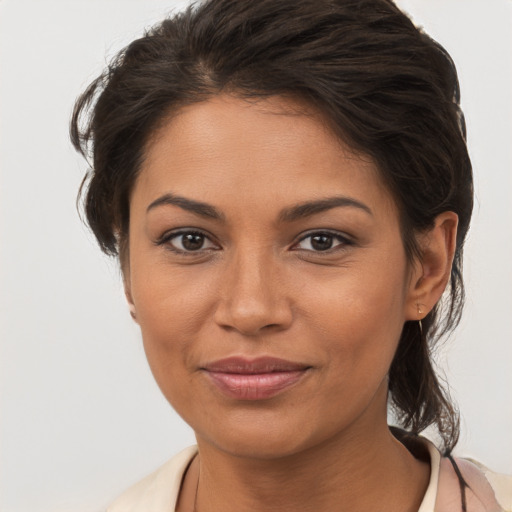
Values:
[(254, 379)]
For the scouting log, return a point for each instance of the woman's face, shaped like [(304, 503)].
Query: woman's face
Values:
[(268, 276)]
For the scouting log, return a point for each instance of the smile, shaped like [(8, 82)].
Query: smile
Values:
[(258, 379)]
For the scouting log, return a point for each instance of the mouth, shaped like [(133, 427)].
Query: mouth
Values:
[(254, 379)]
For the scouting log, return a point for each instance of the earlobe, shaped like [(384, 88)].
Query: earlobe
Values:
[(432, 272)]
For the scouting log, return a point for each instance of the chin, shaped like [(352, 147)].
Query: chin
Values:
[(260, 446), (263, 437)]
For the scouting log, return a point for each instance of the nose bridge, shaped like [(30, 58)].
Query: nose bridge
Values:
[(252, 296)]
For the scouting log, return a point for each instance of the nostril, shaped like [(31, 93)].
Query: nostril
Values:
[(253, 320)]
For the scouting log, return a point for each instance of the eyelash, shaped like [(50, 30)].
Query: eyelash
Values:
[(344, 240), (167, 237)]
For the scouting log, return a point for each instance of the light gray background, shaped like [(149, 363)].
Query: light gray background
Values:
[(81, 417)]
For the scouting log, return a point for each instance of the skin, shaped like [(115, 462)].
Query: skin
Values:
[(258, 287)]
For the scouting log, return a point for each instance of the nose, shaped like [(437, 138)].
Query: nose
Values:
[(252, 296)]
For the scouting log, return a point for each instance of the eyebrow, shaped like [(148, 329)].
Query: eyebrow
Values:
[(290, 214), (197, 207), (309, 208)]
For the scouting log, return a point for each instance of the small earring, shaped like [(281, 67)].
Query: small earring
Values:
[(419, 321)]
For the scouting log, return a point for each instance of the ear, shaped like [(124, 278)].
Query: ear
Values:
[(432, 272), (128, 290)]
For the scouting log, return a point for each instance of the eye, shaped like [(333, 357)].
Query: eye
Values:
[(187, 241), (322, 241)]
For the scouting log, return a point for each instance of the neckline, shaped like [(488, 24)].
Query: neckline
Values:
[(424, 449), (430, 496), (427, 503)]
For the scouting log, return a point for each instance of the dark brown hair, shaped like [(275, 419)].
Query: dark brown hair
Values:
[(387, 89)]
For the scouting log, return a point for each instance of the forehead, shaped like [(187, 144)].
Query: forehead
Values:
[(229, 148)]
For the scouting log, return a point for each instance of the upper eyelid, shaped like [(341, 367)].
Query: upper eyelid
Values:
[(168, 235), (328, 231), (334, 233)]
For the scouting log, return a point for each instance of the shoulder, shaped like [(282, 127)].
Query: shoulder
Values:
[(158, 491), (500, 484), (467, 480), (462, 485)]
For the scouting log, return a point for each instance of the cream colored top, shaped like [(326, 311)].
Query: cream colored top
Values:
[(487, 491)]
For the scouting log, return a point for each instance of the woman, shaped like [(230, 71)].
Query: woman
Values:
[(287, 187)]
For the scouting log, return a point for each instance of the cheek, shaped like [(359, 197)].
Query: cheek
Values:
[(359, 318), (170, 298), (172, 307)]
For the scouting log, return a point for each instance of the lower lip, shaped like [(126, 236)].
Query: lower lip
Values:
[(254, 386)]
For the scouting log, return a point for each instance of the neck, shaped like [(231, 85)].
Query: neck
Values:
[(354, 473)]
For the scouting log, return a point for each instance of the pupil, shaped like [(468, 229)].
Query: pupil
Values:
[(321, 242), (192, 241)]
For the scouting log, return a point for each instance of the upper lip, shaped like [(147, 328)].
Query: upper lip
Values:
[(243, 365)]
